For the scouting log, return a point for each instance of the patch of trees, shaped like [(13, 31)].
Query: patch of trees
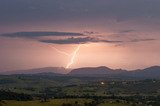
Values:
[(7, 81), (95, 102), (8, 95), (71, 104)]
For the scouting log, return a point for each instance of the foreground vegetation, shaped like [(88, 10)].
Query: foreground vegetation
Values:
[(48, 90), (66, 102)]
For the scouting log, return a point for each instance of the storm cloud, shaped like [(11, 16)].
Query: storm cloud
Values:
[(78, 41), (142, 40), (76, 38), (81, 15), (40, 34), (13, 11)]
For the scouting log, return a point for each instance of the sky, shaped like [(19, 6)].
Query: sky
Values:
[(79, 33)]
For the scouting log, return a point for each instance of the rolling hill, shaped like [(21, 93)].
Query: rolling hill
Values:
[(58, 70), (151, 72), (95, 71)]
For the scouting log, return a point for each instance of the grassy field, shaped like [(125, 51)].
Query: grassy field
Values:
[(58, 102), (35, 84), (39, 87)]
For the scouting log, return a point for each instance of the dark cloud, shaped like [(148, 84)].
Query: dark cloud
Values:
[(78, 40), (40, 34), (132, 36), (127, 31), (74, 38), (90, 32), (142, 40), (18, 11)]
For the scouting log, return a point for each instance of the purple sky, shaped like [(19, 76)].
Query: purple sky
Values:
[(118, 33)]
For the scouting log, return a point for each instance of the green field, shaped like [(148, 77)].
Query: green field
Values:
[(47, 90), (59, 102)]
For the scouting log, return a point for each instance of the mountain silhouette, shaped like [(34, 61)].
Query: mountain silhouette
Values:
[(58, 70), (151, 72), (95, 71)]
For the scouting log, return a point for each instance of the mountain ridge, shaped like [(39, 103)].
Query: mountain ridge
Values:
[(58, 70), (150, 72)]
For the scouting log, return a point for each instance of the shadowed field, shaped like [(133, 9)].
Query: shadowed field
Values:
[(48, 90), (63, 102)]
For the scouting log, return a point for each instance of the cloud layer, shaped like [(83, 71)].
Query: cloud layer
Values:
[(29, 10), (68, 37), (79, 40), (40, 34)]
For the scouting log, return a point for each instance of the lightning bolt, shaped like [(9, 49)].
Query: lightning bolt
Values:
[(73, 57), (67, 54), (59, 51)]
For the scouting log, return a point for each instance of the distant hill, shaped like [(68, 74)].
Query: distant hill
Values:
[(151, 72), (46, 70), (95, 71)]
